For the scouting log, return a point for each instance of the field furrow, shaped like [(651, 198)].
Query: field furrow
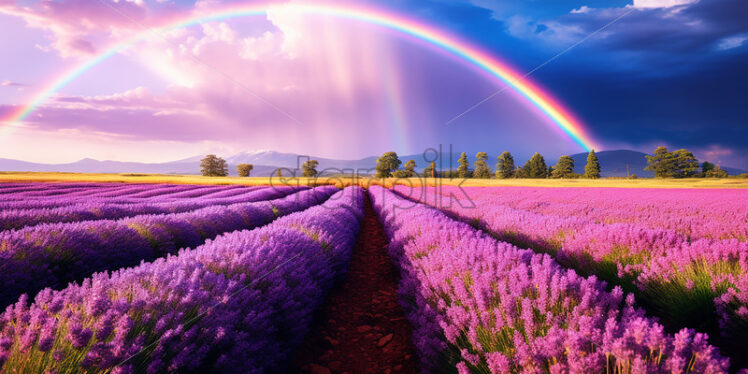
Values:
[(362, 329)]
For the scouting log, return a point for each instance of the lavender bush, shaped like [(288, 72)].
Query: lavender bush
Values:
[(51, 255), (692, 213), (237, 304), (683, 274), (122, 194), (481, 305), (90, 209)]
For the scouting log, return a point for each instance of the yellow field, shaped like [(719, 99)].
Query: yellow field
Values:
[(364, 181), (126, 178), (613, 182)]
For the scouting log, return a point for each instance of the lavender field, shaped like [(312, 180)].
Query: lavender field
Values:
[(151, 278)]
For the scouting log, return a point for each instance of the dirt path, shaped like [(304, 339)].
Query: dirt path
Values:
[(362, 329)]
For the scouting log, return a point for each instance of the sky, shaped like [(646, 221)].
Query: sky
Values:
[(636, 74)]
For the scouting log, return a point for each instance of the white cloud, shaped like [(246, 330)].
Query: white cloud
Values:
[(583, 9), (661, 3), (255, 48), (551, 33), (213, 33), (731, 42)]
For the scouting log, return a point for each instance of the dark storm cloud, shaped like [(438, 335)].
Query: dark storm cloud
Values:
[(673, 76), (691, 110), (681, 32)]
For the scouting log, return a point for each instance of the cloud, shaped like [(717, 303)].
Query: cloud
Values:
[(139, 98), (648, 33), (548, 32), (79, 28), (235, 82), (722, 155), (714, 152), (230, 85), (583, 9), (254, 48), (11, 84), (731, 42), (661, 3), (351, 85)]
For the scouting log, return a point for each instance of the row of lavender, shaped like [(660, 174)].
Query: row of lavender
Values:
[(240, 303), (57, 195), (46, 191), (64, 208), (682, 276), (486, 306), (692, 213), (50, 191), (52, 255)]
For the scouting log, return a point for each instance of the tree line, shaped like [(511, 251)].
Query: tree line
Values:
[(681, 164), (214, 166), (665, 164), (388, 166)]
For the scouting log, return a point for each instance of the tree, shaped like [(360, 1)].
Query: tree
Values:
[(535, 167), (410, 168), (505, 165), (279, 173), (564, 168), (678, 164), (716, 172), (310, 168), (213, 166), (386, 164), (686, 164), (462, 170), (592, 169), (401, 173), (430, 171), (244, 169), (482, 170), (661, 163), (520, 173), (706, 167)]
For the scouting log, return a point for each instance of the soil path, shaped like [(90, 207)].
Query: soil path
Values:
[(362, 328)]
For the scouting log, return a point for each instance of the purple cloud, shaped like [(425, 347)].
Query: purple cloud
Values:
[(11, 84)]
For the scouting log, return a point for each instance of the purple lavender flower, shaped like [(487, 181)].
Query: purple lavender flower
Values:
[(240, 302), (505, 308), (52, 255), (683, 251)]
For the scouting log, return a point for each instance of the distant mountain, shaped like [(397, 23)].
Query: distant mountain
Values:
[(265, 163), (294, 161), (614, 163), (88, 165)]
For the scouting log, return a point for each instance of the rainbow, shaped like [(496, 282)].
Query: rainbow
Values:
[(540, 99)]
